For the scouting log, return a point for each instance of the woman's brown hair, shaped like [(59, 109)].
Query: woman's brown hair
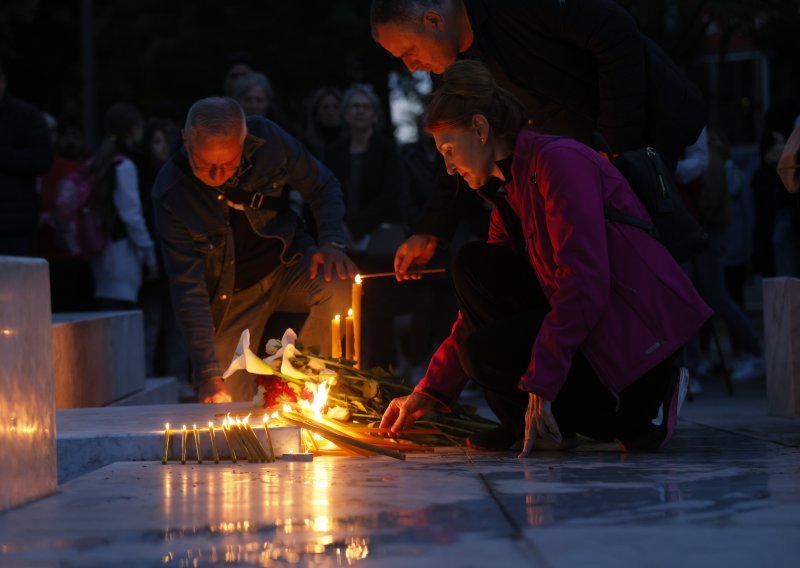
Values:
[(468, 89)]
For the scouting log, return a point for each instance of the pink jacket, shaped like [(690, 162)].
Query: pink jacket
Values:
[(615, 292)]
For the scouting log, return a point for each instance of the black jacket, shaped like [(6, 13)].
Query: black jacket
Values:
[(26, 151), (580, 66), (381, 193), (197, 240)]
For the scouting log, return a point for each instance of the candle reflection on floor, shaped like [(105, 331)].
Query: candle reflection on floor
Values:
[(255, 526)]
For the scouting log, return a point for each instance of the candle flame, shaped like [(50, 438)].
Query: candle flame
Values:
[(358, 279), (287, 408), (194, 426), (210, 424), (264, 419), (337, 317), (166, 426), (350, 313), (183, 427)]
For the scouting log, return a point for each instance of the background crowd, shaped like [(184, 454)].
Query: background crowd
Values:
[(753, 223)]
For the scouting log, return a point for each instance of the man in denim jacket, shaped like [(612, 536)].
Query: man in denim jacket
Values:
[(233, 246)]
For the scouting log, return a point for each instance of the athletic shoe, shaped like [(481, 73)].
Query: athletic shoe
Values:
[(750, 368), (662, 427), (500, 439)]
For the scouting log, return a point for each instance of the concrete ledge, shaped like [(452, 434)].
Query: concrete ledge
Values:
[(782, 345), (163, 390), (91, 438), (27, 412), (98, 357)]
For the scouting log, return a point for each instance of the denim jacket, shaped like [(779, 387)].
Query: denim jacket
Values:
[(197, 240)]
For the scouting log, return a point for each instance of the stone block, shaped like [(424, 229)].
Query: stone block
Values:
[(98, 357), (91, 438), (161, 390), (782, 345), (27, 409)]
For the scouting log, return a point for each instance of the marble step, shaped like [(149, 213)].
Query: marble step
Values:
[(91, 438), (98, 357), (157, 390), (27, 410)]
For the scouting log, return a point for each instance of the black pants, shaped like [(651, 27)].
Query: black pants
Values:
[(502, 307)]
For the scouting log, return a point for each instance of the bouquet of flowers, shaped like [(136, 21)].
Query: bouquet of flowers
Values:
[(337, 390)]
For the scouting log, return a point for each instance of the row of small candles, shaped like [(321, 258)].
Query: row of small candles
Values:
[(237, 433)]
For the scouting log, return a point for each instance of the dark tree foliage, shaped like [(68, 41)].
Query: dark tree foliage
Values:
[(148, 51), (153, 50)]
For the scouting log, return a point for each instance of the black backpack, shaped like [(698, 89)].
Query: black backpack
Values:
[(653, 183)]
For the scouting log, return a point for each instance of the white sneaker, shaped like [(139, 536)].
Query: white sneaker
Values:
[(750, 368)]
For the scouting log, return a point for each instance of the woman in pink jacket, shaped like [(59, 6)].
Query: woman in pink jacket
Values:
[(571, 323)]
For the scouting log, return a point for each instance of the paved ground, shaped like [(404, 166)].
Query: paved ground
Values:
[(726, 493)]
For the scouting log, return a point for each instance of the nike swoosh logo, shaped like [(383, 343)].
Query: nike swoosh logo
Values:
[(659, 419)]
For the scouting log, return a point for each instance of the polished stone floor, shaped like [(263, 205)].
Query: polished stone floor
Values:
[(719, 496)]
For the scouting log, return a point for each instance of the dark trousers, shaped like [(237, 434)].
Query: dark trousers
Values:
[(502, 307)]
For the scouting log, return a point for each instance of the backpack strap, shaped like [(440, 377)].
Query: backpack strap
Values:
[(613, 215)]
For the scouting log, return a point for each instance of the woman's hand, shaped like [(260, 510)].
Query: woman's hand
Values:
[(414, 254), (539, 421), (405, 410)]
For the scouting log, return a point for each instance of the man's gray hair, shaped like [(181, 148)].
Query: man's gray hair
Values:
[(250, 80), (400, 11), (215, 117)]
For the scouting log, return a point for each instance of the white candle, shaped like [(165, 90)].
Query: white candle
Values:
[(349, 336), (336, 337), (356, 303)]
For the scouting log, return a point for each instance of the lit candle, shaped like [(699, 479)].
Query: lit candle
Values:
[(167, 436), (197, 448), (266, 429), (214, 451), (349, 336), (356, 303), (183, 444), (228, 440), (336, 337)]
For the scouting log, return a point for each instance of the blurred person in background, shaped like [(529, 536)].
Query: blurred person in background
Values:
[(71, 282), (130, 257), (367, 164), (323, 120), (166, 353), (26, 151)]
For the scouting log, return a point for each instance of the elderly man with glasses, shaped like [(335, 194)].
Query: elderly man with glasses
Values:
[(233, 243)]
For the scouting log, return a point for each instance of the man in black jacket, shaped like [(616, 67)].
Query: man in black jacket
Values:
[(26, 151), (579, 66)]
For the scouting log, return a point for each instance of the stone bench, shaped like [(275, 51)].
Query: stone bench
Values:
[(782, 345), (98, 359), (27, 408)]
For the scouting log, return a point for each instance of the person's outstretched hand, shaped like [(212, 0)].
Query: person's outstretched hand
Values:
[(213, 391), (415, 252), (405, 410), (331, 258), (539, 421)]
